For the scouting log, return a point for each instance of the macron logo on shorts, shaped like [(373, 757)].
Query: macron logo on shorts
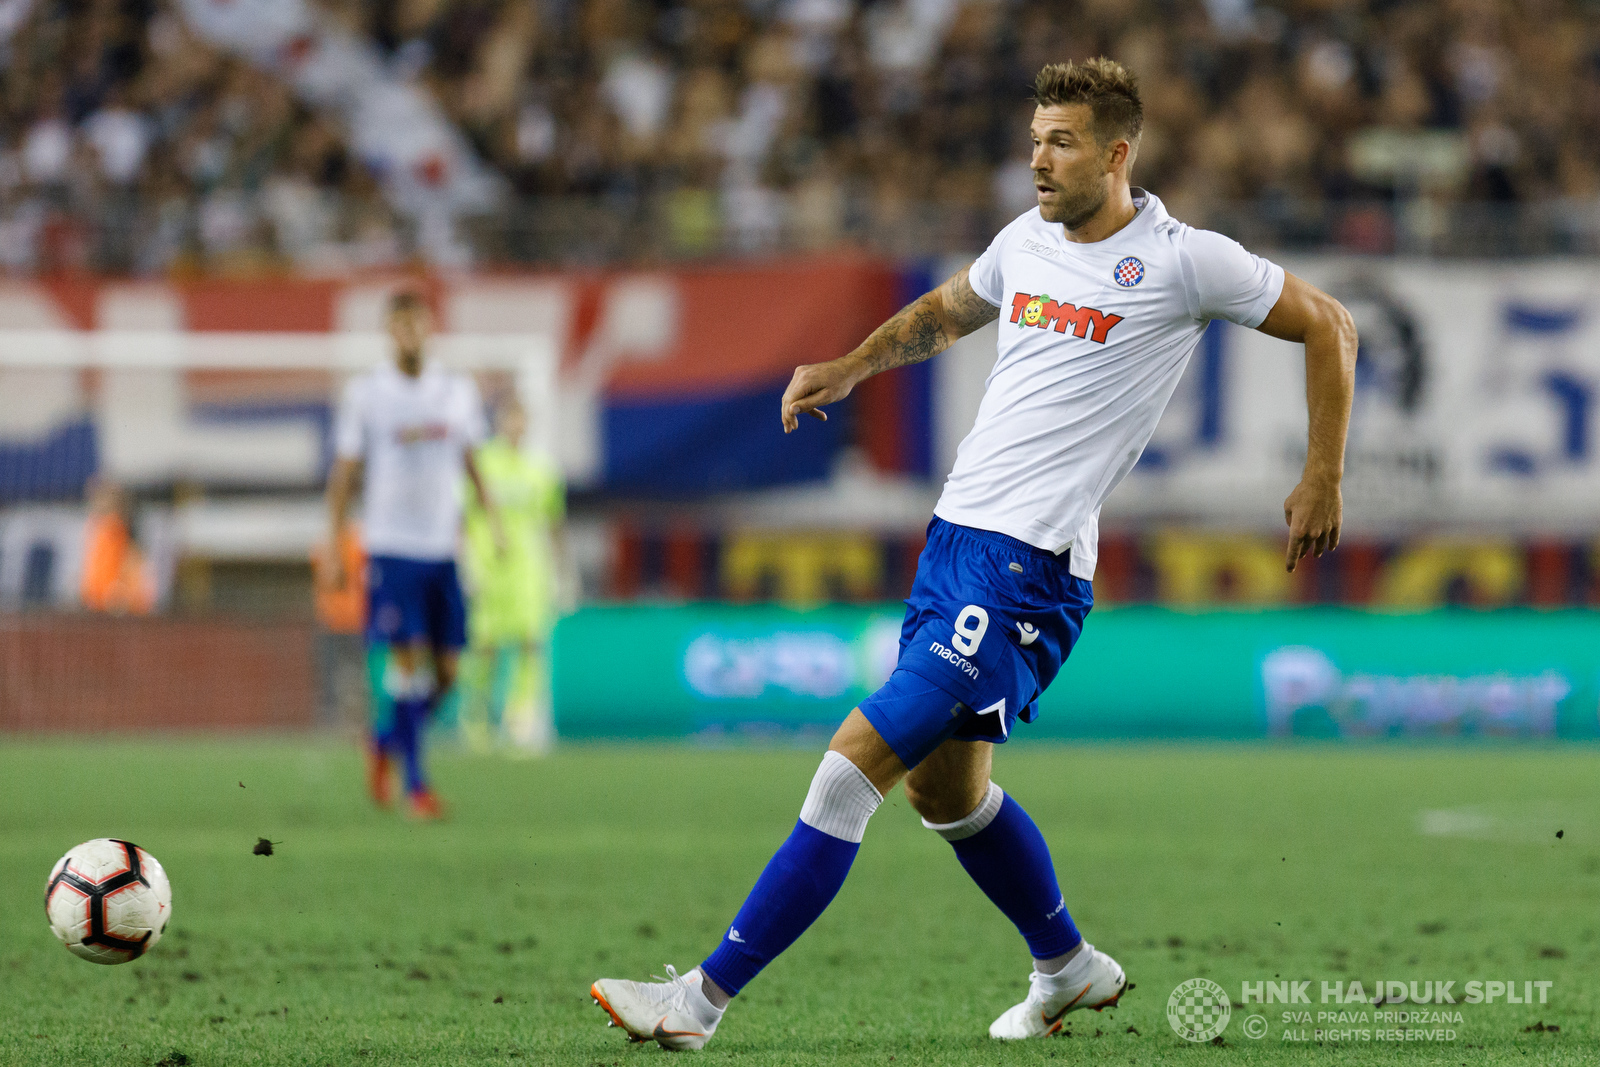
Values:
[(956, 660)]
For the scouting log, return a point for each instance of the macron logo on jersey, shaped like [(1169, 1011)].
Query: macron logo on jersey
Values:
[(1040, 311)]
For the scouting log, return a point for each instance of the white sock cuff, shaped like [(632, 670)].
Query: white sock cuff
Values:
[(841, 799), (707, 1012), (401, 684), (974, 823)]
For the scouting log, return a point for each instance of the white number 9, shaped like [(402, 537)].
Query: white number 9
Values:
[(971, 625)]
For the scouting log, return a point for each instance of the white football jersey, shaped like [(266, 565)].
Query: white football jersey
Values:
[(414, 434), (1093, 340)]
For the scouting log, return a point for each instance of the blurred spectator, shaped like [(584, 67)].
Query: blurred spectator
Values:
[(116, 578), (120, 137), (47, 152), (348, 681)]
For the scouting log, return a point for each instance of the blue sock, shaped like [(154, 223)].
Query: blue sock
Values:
[(410, 719), (799, 882), (1011, 864)]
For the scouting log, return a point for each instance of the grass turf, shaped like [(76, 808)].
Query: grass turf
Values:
[(369, 940)]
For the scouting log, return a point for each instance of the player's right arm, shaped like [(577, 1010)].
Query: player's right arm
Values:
[(348, 443), (341, 487), (922, 329)]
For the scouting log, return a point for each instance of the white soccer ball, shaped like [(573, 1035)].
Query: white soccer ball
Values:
[(108, 901)]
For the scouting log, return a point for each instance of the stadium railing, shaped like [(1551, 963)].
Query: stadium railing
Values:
[(689, 224)]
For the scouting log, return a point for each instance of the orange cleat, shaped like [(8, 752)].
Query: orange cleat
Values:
[(426, 805), (378, 786)]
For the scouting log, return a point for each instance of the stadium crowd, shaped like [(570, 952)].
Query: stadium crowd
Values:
[(680, 127)]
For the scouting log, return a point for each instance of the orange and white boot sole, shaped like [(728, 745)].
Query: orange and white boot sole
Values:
[(659, 1033), (616, 1020)]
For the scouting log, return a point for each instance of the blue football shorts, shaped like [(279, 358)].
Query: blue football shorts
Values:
[(411, 600), (988, 624)]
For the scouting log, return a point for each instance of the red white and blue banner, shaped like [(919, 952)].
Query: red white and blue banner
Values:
[(655, 384), (1475, 404)]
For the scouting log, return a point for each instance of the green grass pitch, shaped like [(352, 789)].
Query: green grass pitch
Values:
[(369, 940)]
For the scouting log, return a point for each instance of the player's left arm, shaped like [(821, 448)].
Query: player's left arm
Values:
[(485, 501), (1306, 315)]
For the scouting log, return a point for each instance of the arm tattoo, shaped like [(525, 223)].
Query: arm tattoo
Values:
[(967, 310), (928, 325)]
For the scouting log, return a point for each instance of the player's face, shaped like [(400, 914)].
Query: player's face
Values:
[(409, 329), (511, 423), (1069, 166)]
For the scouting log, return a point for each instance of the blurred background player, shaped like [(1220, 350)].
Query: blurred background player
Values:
[(349, 671), (412, 426), (506, 675)]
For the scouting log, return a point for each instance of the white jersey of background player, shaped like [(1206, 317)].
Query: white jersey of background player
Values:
[(415, 434), (1101, 297)]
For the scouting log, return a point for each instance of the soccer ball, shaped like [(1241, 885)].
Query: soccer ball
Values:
[(108, 901)]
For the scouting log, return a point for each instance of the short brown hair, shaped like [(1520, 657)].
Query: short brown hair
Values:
[(1109, 88), (406, 300)]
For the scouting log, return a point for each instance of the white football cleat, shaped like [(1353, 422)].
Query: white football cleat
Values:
[(671, 1011), (1091, 980)]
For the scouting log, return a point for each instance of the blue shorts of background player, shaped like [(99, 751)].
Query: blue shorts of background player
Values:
[(989, 621), (414, 600)]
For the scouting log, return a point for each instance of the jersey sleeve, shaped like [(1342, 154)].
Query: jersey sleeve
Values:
[(349, 438), (1227, 282), (984, 274), (474, 426)]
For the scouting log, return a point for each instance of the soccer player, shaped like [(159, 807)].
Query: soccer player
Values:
[(513, 603), (413, 426), (1101, 296)]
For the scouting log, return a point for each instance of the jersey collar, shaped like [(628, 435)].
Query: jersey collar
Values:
[(430, 370), (1148, 210)]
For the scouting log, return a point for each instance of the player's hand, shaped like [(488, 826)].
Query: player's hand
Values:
[(815, 385), (329, 563), (1314, 512)]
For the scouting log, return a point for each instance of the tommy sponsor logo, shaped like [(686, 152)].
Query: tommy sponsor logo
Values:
[(956, 659), (418, 433), (1042, 312)]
